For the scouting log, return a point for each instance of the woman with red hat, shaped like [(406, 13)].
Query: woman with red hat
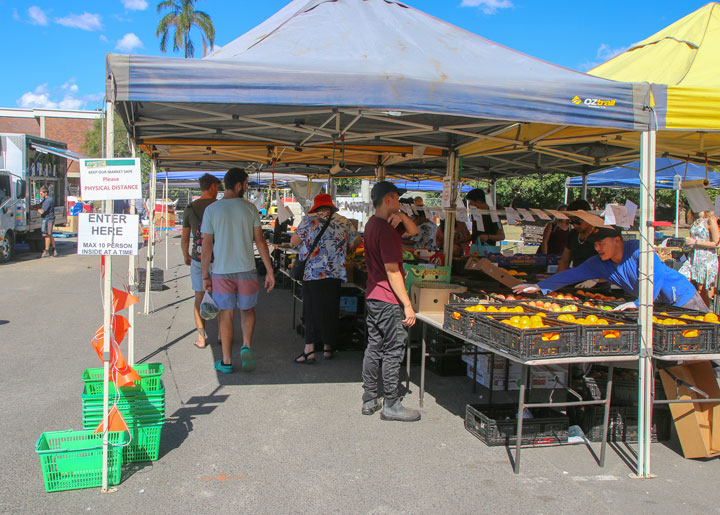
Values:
[(324, 272)]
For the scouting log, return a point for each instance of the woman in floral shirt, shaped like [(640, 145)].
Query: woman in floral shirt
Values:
[(324, 272)]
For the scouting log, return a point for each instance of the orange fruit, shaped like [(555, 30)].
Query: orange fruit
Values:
[(515, 319), (690, 333), (536, 318), (711, 317), (591, 319), (491, 309), (611, 334)]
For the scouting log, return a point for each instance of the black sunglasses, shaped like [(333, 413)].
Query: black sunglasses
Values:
[(575, 221)]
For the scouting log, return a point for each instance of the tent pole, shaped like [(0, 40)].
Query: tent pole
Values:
[(131, 285), (677, 213), (107, 307), (567, 190), (167, 213), (646, 266), (584, 186), (151, 235), (493, 192), (452, 172)]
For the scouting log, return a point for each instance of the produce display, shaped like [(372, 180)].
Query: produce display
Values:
[(597, 296), (552, 306)]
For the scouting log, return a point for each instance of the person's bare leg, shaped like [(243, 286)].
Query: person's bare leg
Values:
[(47, 242), (199, 321), (248, 325), (225, 321)]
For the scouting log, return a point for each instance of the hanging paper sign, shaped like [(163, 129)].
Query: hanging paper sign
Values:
[(511, 215), (526, 215), (478, 218), (428, 215), (107, 235), (540, 213), (631, 208), (494, 215), (617, 215), (697, 197), (559, 215), (110, 179), (446, 192)]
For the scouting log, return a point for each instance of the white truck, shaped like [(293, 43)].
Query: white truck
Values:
[(26, 164)]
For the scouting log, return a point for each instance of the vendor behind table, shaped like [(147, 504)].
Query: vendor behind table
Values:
[(617, 261)]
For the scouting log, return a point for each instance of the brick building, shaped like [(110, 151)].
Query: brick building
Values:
[(60, 125)]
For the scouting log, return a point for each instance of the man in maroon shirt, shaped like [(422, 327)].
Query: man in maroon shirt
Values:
[(388, 306)]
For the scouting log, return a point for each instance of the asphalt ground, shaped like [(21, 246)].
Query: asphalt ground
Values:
[(285, 438)]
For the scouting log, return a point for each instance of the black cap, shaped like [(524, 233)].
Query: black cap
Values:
[(381, 189), (606, 231)]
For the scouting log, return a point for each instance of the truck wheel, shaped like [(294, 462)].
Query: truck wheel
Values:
[(7, 248)]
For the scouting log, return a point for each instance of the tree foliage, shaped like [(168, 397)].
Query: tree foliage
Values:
[(183, 18), (347, 187), (545, 191), (94, 138)]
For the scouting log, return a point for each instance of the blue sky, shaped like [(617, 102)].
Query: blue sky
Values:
[(54, 52)]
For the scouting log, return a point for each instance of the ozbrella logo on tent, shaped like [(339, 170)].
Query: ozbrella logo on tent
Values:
[(593, 102)]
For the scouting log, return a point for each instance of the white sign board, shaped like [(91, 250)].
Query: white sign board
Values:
[(110, 179), (107, 235), (446, 192)]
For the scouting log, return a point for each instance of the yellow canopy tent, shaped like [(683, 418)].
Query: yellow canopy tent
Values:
[(684, 57)]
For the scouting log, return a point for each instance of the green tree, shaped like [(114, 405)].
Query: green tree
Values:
[(183, 17), (545, 191), (93, 145), (348, 186)]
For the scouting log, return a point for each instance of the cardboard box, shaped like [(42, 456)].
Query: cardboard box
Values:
[(499, 274), (697, 425), (160, 219), (429, 297)]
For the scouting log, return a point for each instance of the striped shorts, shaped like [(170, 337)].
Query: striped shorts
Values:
[(235, 290)]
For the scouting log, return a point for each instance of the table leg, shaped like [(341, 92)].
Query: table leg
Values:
[(407, 365), (422, 364), (521, 409), (292, 292), (606, 417), (474, 371), (492, 377)]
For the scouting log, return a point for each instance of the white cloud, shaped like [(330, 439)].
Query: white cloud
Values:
[(15, 14), (135, 5), (103, 38), (604, 53), (37, 16), (487, 6), (128, 43), (63, 97), (39, 98), (84, 21)]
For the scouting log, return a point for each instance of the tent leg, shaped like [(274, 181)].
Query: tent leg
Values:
[(677, 213), (584, 186), (452, 172), (647, 238), (151, 235)]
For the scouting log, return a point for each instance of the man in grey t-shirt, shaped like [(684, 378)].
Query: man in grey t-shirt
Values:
[(230, 226)]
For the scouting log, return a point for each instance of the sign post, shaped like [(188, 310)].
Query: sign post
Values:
[(108, 235)]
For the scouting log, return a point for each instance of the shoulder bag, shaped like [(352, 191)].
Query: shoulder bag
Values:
[(298, 269)]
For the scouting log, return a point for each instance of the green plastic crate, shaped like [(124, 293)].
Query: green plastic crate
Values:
[(73, 459), (92, 421), (149, 387), (145, 442), (92, 375)]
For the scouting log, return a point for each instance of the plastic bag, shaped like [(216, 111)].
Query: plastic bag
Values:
[(208, 308)]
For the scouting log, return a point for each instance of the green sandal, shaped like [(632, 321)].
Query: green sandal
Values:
[(248, 360)]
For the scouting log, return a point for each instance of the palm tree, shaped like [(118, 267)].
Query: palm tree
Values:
[(184, 17)]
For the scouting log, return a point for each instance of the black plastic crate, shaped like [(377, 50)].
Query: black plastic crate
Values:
[(445, 355), (466, 296), (157, 278), (611, 339), (535, 343), (481, 329), (623, 423), (497, 425), (458, 320), (691, 338)]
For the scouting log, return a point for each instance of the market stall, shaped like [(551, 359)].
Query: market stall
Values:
[(364, 111)]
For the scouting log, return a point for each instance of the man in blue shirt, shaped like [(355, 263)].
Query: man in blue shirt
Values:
[(617, 261)]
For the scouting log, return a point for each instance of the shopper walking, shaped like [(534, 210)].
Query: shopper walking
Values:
[(324, 272), (702, 267), (229, 228), (192, 221), (387, 304), (46, 208)]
